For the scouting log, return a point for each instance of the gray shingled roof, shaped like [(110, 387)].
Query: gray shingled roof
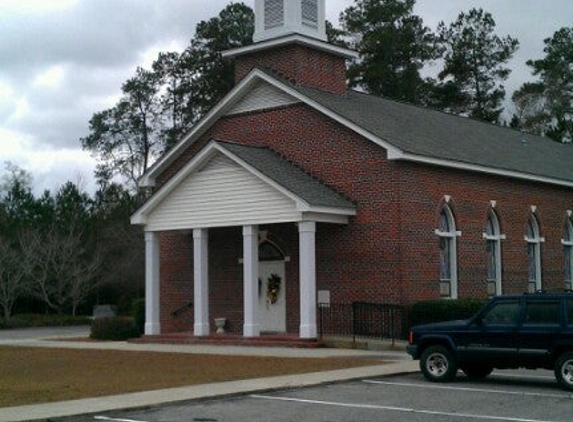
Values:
[(439, 135), (288, 175)]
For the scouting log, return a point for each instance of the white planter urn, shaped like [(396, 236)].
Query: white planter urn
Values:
[(220, 324)]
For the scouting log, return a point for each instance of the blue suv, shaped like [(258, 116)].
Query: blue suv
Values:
[(515, 331)]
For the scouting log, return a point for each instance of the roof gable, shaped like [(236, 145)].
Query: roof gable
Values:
[(231, 100), (220, 187)]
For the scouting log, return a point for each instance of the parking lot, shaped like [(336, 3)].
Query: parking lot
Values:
[(521, 396)]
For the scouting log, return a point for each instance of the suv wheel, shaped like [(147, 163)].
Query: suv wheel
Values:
[(564, 370), (477, 371), (437, 364)]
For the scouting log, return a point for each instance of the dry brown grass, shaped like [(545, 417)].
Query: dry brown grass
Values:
[(32, 375)]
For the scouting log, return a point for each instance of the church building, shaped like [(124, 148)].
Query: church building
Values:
[(295, 190)]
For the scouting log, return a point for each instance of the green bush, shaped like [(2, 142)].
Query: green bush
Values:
[(138, 314), (44, 320), (431, 311), (114, 328)]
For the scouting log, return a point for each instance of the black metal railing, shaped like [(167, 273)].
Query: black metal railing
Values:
[(363, 320), (178, 312)]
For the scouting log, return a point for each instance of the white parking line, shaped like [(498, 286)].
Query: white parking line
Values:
[(397, 409), (105, 418), (476, 390)]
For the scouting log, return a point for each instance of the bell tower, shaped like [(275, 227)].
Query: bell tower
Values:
[(278, 18), (290, 40)]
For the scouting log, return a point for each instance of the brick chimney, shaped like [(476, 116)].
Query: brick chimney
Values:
[(290, 40)]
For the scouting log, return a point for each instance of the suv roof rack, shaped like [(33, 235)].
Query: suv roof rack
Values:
[(549, 291)]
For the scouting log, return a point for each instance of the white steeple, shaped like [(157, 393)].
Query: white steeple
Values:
[(278, 18)]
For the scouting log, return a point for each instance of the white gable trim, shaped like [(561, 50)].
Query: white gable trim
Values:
[(292, 39), (394, 153), (142, 215), (478, 168)]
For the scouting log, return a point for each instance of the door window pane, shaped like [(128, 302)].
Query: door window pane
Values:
[(502, 314)]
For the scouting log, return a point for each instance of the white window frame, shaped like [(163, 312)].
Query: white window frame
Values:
[(535, 242), (567, 243), (451, 237), (495, 238)]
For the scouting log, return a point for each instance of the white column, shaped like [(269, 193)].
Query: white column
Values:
[(251, 327), (307, 251), (201, 282), (151, 283)]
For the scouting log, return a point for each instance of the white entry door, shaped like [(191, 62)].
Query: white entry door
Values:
[(272, 297)]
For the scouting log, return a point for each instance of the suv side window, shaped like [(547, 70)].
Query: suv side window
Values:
[(502, 313), (542, 312), (570, 311)]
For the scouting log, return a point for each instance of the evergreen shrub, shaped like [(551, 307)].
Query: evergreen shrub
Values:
[(114, 328), (138, 314), (430, 311)]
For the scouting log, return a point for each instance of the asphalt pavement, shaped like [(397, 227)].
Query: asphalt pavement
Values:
[(511, 396)]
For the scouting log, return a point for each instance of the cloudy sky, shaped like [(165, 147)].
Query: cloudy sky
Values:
[(63, 60)]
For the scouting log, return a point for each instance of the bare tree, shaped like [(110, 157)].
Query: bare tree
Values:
[(13, 283), (62, 269)]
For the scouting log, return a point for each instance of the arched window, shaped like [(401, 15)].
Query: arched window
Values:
[(448, 255), (493, 237), (534, 240), (268, 251), (568, 252)]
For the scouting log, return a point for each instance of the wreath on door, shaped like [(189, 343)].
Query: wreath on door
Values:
[(273, 288)]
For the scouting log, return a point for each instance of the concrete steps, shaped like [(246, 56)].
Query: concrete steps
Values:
[(265, 340)]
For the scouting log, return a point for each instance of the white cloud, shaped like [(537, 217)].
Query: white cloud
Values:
[(34, 6), (21, 110), (51, 78), (49, 167)]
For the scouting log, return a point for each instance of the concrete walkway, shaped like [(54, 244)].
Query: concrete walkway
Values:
[(400, 363)]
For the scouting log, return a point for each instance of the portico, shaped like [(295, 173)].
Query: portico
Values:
[(230, 185)]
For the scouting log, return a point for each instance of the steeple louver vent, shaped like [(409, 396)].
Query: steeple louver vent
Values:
[(310, 12), (274, 13), (275, 19)]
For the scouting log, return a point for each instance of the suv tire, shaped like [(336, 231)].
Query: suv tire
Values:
[(564, 370), (438, 364), (475, 371)]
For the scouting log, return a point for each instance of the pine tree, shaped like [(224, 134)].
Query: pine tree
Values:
[(475, 65), (394, 46)]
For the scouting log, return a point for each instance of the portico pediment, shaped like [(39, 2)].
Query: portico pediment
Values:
[(235, 185)]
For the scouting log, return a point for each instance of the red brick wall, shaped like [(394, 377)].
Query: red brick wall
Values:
[(423, 189), (303, 65), (176, 280), (388, 252)]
